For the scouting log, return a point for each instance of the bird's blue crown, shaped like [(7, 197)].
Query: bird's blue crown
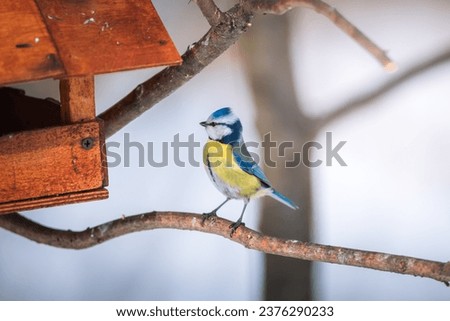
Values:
[(222, 112), (225, 116)]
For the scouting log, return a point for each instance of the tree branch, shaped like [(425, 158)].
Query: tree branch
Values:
[(363, 101), (210, 11), (251, 239), (282, 6), (226, 29)]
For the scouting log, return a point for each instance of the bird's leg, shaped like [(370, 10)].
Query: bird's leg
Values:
[(213, 212), (238, 223)]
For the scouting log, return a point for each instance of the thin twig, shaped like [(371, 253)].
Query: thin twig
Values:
[(282, 6), (277, 7), (251, 239), (346, 26)]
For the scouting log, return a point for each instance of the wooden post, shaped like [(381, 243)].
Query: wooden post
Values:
[(77, 99)]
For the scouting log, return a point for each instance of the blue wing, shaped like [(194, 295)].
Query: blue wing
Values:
[(247, 163)]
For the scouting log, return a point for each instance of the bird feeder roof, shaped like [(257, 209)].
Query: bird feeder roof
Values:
[(63, 38)]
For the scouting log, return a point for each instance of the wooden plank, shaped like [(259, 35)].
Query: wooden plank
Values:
[(26, 49), (77, 99), (102, 139), (71, 198), (51, 161), (100, 36)]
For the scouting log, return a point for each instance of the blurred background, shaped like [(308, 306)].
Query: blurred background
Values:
[(287, 75)]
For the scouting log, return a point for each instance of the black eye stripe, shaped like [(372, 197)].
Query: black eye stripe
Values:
[(213, 124)]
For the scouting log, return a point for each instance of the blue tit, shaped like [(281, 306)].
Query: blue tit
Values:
[(231, 167)]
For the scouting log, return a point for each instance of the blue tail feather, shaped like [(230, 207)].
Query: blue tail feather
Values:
[(283, 199)]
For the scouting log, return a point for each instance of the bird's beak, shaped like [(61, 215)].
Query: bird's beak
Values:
[(204, 124)]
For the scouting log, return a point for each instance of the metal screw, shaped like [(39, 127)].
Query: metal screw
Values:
[(87, 143)]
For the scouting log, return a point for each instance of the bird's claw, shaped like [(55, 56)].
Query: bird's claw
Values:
[(209, 216), (235, 226)]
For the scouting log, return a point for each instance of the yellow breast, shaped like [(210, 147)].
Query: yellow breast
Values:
[(230, 179)]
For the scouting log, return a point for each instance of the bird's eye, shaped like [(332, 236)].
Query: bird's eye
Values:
[(213, 124)]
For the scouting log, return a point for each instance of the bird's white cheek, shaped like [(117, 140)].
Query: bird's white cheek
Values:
[(218, 132)]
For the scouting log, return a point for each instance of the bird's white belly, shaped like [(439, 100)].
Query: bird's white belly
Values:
[(223, 187)]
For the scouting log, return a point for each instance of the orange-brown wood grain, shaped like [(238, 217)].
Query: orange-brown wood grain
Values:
[(54, 200), (52, 162), (100, 36), (59, 38), (26, 49), (77, 99)]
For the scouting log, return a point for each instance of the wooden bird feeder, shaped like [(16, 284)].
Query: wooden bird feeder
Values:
[(52, 153)]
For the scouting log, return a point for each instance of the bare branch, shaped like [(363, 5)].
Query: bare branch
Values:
[(210, 11), (282, 6), (346, 26), (363, 101), (253, 240), (277, 7)]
